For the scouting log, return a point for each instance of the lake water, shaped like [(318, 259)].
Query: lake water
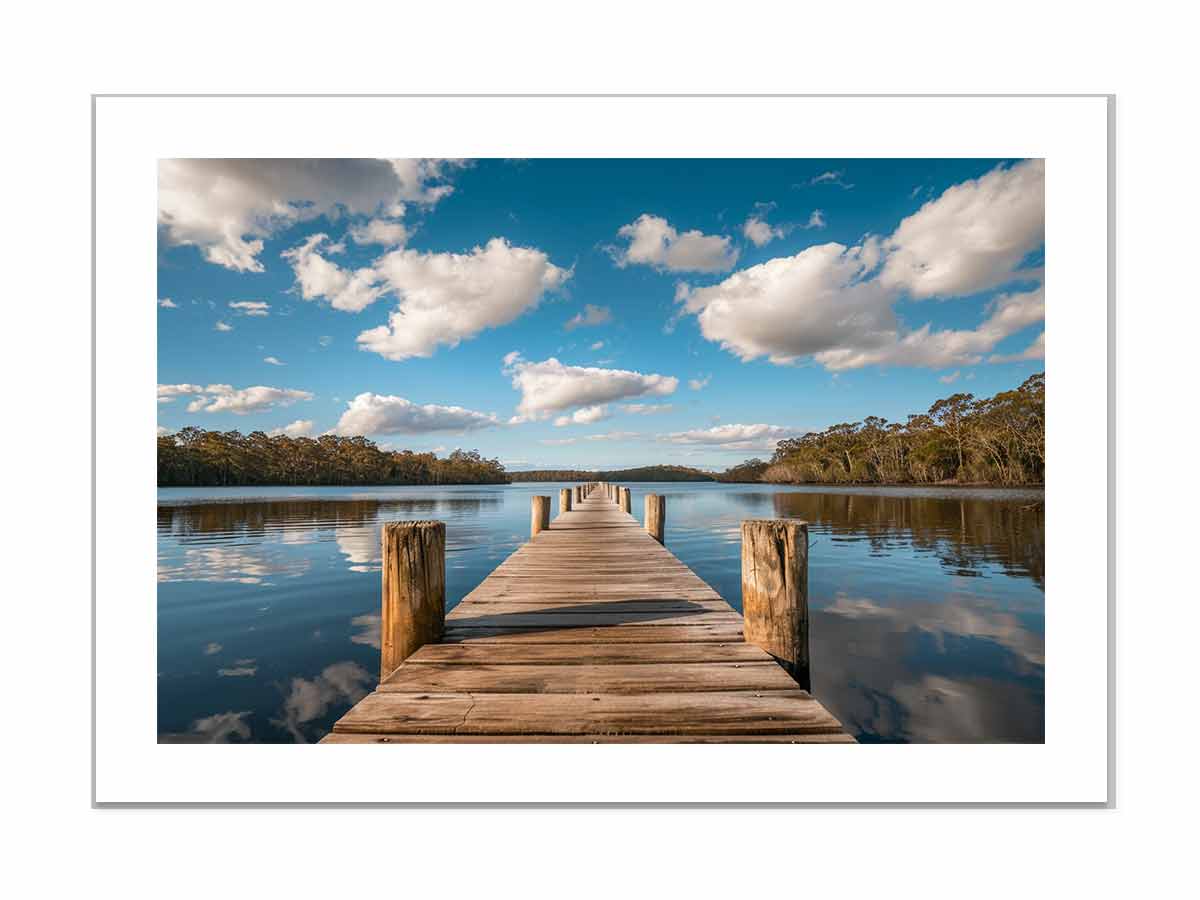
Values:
[(927, 605)]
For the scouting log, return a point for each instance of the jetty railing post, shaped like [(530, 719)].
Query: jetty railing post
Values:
[(626, 499), (775, 592), (414, 590), (564, 501), (656, 516), (539, 518)]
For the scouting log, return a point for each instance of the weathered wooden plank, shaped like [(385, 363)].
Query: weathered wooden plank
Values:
[(585, 654), (633, 678), (494, 607), (377, 738), (585, 619), (774, 712), (618, 634), (668, 598)]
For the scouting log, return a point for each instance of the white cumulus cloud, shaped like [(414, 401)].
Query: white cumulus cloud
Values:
[(227, 207), (837, 303), (274, 361), (759, 232), (792, 306), (215, 398), (223, 326), (550, 387), (251, 307), (732, 437), (449, 297), (299, 428), (168, 303), (585, 416), (654, 242), (591, 315), (971, 238), (925, 347), (1036, 350), (387, 232), (370, 413), (350, 290)]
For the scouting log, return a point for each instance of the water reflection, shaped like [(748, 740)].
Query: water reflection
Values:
[(965, 533), (958, 670), (222, 728), (343, 683), (926, 606), (243, 565)]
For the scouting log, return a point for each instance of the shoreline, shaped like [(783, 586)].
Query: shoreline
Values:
[(833, 485)]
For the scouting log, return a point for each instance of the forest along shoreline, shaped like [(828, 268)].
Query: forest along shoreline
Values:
[(961, 441)]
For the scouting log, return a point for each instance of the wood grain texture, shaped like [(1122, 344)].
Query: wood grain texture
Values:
[(775, 591), (613, 678), (717, 712), (539, 515), (414, 590), (656, 517), (380, 738), (593, 632)]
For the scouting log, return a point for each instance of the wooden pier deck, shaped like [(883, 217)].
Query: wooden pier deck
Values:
[(590, 632)]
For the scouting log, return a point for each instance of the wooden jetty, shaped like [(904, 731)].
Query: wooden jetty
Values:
[(593, 632)]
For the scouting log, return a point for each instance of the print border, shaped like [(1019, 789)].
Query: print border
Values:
[(1109, 803)]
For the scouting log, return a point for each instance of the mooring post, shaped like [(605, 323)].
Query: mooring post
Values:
[(564, 501), (539, 519), (414, 590), (775, 592), (626, 499), (656, 516)]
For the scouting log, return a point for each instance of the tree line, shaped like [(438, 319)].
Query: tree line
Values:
[(194, 457), (642, 473), (993, 440)]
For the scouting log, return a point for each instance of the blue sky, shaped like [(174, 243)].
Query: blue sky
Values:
[(591, 313)]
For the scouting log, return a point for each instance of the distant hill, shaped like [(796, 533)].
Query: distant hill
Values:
[(642, 473)]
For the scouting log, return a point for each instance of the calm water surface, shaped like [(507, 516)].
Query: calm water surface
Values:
[(927, 605)]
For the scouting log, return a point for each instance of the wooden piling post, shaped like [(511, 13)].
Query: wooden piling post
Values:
[(539, 519), (626, 499), (775, 592), (564, 501), (656, 516), (414, 590)]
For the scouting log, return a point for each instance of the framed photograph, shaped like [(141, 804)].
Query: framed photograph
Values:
[(538, 435)]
